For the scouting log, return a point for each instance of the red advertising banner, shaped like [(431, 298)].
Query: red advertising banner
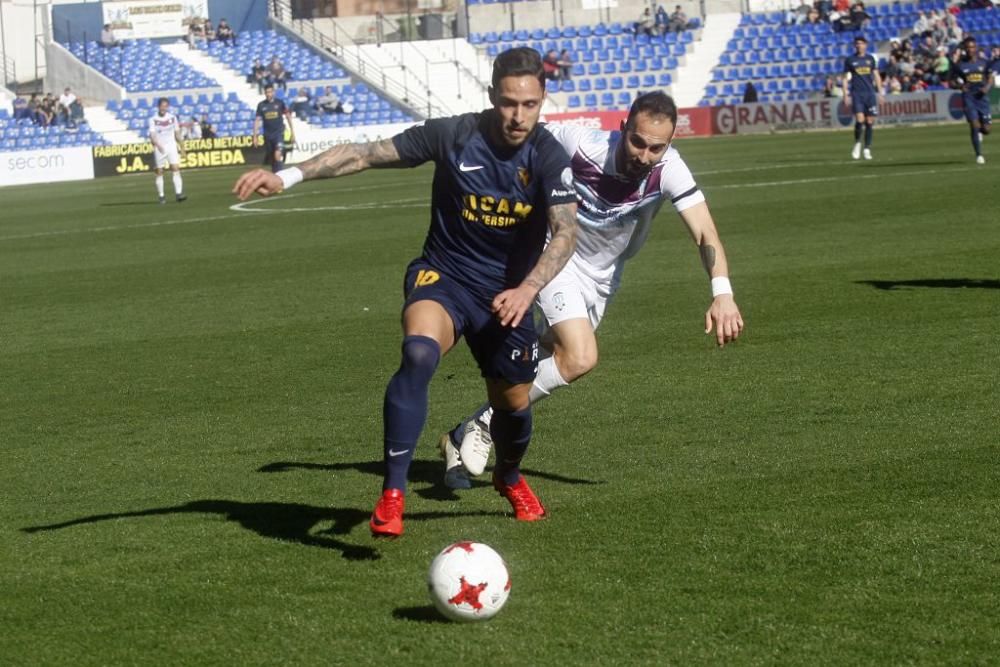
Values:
[(694, 122), (593, 120)]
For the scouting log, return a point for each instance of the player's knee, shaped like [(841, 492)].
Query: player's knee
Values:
[(421, 355), (869, 122), (577, 361)]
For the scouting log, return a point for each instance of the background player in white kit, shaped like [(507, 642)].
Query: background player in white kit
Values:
[(168, 147), (621, 183)]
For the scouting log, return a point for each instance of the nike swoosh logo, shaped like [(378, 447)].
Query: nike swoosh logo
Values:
[(464, 167), (393, 452)]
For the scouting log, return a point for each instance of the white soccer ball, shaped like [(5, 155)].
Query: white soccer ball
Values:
[(468, 581)]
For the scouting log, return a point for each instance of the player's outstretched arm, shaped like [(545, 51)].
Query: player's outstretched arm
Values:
[(337, 161), (512, 305), (723, 315)]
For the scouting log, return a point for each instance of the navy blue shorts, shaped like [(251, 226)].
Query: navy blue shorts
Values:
[(977, 108), (866, 103), (502, 353), (272, 142)]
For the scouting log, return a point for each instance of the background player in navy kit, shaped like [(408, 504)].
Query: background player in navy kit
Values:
[(271, 114), (862, 92), (497, 179), (975, 76)]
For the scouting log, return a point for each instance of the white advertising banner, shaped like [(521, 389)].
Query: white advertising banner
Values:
[(46, 166), (926, 107), (132, 19), (770, 116), (312, 141)]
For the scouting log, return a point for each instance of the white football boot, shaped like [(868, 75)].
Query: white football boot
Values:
[(856, 151), (868, 154), (980, 159), (477, 443), (455, 476)]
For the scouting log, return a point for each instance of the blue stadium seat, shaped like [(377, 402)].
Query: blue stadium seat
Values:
[(573, 102), (608, 100)]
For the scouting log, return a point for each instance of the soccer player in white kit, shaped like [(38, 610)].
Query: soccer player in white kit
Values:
[(621, 183), (168, 147)]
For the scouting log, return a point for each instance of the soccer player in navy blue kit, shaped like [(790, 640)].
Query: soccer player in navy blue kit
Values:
[(271, 114), (975, 77), (862, 92), (498, 179)]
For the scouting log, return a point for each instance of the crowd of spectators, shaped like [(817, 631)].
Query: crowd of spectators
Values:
[(274, 73), (558, 67), (305, 106), (841, 15), (48, 110), (201, 30), (660, 23)]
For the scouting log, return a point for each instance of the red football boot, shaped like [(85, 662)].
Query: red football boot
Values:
[(527, 506), (387, 519)]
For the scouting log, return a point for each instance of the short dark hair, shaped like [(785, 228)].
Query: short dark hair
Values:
[(162, 100), (656, 103), (860, 38), (268, 85), (521, 61)]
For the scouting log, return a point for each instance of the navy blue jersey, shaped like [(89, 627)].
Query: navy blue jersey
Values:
[(862, 70), (273, 115), (995, 66), (974, 73), (488, 203)]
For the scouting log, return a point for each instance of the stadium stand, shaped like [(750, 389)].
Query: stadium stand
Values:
[(788, 61), (302, 63), (23, 134), (140, 66), (611, 64)]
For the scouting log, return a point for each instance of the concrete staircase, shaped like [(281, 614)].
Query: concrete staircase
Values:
[(696, 70), (117, 132), (230, 81)]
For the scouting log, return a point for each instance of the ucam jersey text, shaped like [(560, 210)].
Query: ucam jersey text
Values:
[(614, 213)]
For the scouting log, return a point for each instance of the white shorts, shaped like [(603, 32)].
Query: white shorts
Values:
[(573, 295), (168, 156)]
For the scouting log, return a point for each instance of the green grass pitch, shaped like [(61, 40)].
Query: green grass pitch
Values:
[(190, 422)]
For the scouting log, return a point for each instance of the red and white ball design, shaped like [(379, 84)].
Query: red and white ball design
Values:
[(468, 581)]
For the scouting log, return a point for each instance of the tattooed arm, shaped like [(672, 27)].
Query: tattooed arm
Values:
[(511, 305), (723, 315), (337, 161)]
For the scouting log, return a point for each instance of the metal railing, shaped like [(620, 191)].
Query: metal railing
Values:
[(9, 72), (366, 69)]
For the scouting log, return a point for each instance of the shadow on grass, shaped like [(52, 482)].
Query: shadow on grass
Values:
[(427, 472), (289, 522), (945, 283), (425, 614)]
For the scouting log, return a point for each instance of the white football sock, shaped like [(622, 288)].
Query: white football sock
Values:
[(178, 183), (159, 184), (546, 381)]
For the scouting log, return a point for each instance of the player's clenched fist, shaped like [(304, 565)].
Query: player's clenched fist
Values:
[(262, 182)]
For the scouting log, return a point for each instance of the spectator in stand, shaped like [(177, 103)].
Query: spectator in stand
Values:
[(565, 65), (191, 129), (895, 86), (207, 129), (224, 33), (749, 93), (942, 67), (276, 74), (646, 25), (953, 32), (45, 113), (258, 75), (823, 7), (813, 17), (107, 39), (209, 31), (662, 20), (859, 18), (799, 15), (678, 20), (21, 111), (995, 60), (329, 102), (922, 25), (196, 33), (63, 108), (842, 6), (301, 104), (550, 64)]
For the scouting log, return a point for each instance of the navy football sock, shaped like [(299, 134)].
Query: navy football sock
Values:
[(857, 131), (976, 141), (868, 135), (511, 432), (277, 166), (404, 410)]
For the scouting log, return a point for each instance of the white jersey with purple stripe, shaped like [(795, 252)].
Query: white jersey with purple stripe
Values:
[(614, 213)]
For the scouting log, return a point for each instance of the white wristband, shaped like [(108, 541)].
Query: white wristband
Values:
[(289, 177), (721, 285)]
